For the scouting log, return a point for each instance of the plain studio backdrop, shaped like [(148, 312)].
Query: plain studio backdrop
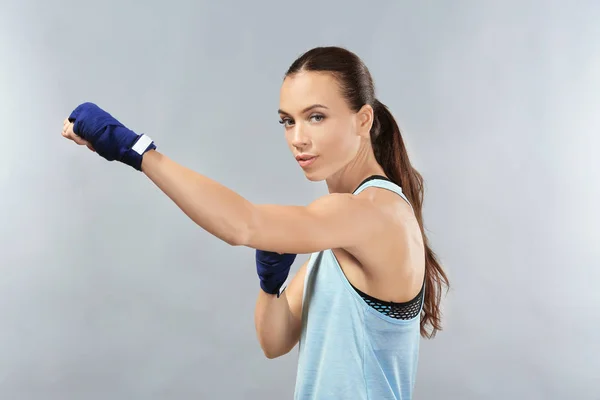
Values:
[(108, 291)]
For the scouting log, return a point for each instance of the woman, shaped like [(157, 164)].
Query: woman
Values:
[(372, 285)]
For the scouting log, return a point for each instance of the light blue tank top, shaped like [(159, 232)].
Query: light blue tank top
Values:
[(347, 349)]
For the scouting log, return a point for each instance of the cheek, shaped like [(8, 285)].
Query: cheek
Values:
[(340, 143)]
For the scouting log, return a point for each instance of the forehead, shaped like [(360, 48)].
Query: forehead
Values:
[(304, 89)]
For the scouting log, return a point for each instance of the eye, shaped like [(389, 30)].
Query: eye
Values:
[(286, 121), (317, 117)]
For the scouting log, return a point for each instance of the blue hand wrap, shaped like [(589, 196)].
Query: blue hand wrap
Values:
[(273, 269), (110, 138)]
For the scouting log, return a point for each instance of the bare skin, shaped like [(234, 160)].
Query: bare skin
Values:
[(374, 234)]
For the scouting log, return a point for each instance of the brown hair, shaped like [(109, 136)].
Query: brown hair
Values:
[(357, 87)]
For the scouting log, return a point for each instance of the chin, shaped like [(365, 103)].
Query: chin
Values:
[(315, 176)]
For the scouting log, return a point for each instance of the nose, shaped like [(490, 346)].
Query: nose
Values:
[(299, 138)]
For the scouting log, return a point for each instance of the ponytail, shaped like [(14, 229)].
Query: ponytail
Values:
[(391, 154)]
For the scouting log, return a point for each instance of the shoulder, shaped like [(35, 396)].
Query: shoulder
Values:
[(368, 208), (390, 253), (388, 203), (398, 225), (375, 211)]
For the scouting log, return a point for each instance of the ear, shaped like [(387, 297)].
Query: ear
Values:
[(365, 117)]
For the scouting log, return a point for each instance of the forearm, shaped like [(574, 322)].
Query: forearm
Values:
[(276, 329), (214, 207)]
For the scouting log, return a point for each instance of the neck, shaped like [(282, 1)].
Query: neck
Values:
[(360, 168)]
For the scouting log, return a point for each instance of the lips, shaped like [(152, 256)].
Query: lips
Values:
[(305, 159)]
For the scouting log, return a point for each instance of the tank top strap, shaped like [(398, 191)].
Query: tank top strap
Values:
[(383, 183)]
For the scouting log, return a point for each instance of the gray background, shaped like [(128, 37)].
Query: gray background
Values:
[(107, 290)]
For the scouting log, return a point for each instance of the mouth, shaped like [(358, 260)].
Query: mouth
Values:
[(305, 159)]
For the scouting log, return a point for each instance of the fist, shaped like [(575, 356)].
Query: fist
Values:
[(95, 128), (273, 269), (67, 132)]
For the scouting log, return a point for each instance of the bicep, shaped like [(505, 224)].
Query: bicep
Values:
[(329, 222)]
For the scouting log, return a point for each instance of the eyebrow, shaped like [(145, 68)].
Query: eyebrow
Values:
[(309, 108)]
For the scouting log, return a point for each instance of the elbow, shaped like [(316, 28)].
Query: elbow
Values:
[(236, 238), (272, 347), (267, 347), (244, 231), (270, 355), (240, 236)]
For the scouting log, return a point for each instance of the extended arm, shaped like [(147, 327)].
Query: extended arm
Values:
[(329, 222)]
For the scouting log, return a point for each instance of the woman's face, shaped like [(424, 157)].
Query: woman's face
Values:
[(323, 133)]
